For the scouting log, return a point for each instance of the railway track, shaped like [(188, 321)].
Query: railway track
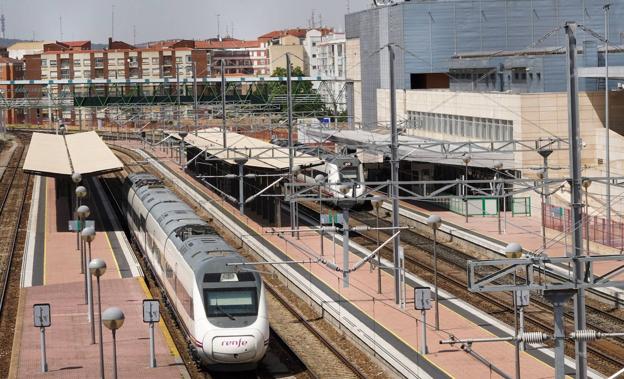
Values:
[(605, 355), (15, 202), (296, 328)]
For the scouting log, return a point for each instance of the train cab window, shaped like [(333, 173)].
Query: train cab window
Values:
[(231, 302), (349, 173)]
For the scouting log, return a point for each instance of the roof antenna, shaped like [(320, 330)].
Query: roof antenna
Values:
[(113, 22)]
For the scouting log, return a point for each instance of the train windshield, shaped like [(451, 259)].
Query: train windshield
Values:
[(231, 302), (349, 173)]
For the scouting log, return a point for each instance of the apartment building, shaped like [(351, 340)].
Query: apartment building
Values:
[(11, 69), (330, 55), (240, 58)]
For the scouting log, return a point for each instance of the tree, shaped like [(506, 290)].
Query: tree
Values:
[(305, 97)]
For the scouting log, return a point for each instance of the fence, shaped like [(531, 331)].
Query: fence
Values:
[(558, 217)]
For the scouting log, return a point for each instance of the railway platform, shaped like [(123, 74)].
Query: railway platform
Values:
[(51, 274), (372, 319)]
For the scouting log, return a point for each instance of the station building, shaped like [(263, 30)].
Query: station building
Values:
[(490, 70)]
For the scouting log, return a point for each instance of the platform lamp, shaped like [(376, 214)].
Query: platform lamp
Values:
[(514, 251), (81, 193), (466, 159), (76, 178), (83, 212), (97, 268), (320, 180), (434, 222), (586, 183), (377, 203), (88, 235), (113, 318)]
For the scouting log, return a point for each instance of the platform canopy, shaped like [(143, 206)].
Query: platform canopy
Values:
[(259, 153), (84, 153)]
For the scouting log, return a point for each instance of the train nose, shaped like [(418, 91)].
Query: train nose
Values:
[(232, 349)]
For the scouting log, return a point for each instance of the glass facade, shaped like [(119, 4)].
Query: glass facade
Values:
[(463, 126)]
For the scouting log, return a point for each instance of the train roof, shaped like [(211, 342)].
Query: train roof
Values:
[(201, 247)]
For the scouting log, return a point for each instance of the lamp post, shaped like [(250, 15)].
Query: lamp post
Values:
[(586, 183), (514, 251), (97, 267), (81, 193), (466, 159), (83, 212), (113, 318), (497, 166), (88, 235), (377, 204), (434, 222), (320, 179)]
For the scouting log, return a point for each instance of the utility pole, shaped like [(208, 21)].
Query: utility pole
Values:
[(576, 200), (291, 157), (195, 97), (394, 163), (223, 93), (607, 125)]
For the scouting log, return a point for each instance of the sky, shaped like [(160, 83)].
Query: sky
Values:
[(166, 19)]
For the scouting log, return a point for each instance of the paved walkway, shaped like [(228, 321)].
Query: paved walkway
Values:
[(69, 351)]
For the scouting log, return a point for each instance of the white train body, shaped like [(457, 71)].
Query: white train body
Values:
[(343, 177), (222, 310)]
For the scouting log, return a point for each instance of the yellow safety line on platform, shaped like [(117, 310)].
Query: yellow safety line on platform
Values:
[(161, 324), (110, 247)]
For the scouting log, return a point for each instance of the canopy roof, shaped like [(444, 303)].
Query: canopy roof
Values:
[(84, 153), (259, 154)]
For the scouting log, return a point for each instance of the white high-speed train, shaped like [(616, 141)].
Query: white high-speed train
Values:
[(342, 178), (221, 310)]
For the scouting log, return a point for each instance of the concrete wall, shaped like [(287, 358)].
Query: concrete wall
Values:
[(353, 65), (277, 56)]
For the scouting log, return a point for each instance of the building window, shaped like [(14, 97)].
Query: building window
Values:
[(156, 72), (52, 63), (111, 61), (53, 75), (178, 59), (77, 62), (86, 74), (146, 72), (77, 74), (189, 58), (120, 61), (464, 126), (145, 61), (86, 62), (44, 63), (155, 60)]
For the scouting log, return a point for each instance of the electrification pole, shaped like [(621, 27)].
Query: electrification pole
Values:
[(576, 199), (223, 93), (395, 179), (290, 138), (607, 125), (195, 96)]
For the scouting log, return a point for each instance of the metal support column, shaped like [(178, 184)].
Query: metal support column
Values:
[(195, 110), (559, 298), (223, 99), (607, 125), (394, 177), (345, 247), (576, 200), (291, 157)]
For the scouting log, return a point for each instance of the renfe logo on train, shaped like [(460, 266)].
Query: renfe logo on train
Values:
[(234, 343)]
